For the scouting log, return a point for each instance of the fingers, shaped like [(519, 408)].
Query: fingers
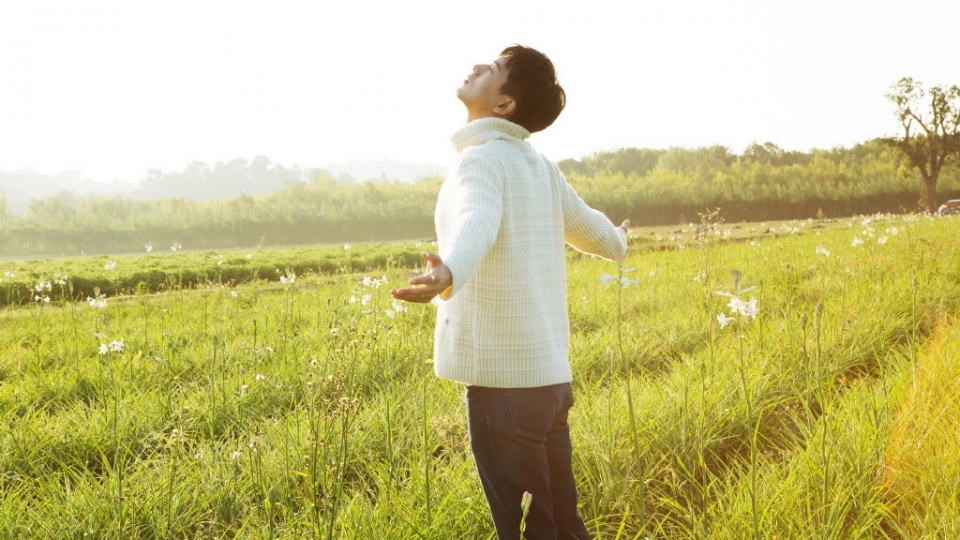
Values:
[(424, 288), (438, 276), (426, 279), (431, 257), (420, 295)]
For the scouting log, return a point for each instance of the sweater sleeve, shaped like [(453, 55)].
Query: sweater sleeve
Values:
[(588, 230), (478, 209)]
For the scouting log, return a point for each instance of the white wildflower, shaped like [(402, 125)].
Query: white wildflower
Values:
[(724, 320), (103, 348), (607, 278), (116, 345), (110, 265), (822, 251)]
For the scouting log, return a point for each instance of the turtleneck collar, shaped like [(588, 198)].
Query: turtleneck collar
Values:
[(485, 130)]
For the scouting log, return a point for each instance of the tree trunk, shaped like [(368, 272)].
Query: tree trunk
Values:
[(930, 192)]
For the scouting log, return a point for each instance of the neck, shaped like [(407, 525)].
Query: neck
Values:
[(473, 114)]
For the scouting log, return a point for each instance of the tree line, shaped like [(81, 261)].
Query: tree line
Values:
[(648, 186)]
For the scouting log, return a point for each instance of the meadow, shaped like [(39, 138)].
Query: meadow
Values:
[(284, 395)]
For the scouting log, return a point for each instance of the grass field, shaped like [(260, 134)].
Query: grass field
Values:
[(820, 404)]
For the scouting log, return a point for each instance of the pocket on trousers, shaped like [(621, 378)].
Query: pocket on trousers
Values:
[(533, 411)]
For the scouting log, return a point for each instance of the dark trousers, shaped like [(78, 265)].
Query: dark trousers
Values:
[(521, 442)]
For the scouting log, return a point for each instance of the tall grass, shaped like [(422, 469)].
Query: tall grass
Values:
[(309, 409)]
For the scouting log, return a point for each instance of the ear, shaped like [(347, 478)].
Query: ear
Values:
[(505, 108)]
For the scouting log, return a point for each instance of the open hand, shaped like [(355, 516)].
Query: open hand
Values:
[(436, 280)]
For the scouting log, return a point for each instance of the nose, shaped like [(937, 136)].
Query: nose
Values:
[(477, 68)]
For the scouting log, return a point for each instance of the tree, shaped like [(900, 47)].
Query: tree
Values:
[(931, 137)]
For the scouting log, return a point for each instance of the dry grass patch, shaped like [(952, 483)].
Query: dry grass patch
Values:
[(922, 475)]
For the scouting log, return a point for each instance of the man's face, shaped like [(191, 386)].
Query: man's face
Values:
[(481, 89)]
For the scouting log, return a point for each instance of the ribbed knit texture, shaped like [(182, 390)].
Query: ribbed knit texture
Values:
[(503, 216)]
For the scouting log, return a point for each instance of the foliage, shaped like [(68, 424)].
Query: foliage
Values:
[(865, 179), (308, 408), (931, 133), (159, 271), (203, 182), (650, 187), (319, 212)]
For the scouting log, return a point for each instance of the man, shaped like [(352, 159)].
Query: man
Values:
[(503, 216)]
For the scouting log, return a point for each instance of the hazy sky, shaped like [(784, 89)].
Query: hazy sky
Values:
[(114, 88)]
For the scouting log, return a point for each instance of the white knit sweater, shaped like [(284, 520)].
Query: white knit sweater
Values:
[(503, 215)]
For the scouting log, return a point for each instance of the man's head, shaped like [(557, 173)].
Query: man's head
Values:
[(520, 86)]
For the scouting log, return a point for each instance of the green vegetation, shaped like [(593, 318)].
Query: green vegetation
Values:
[(651, 187), (931, 130), (309, 408), (78, 278), (656, 187), (321, 212)]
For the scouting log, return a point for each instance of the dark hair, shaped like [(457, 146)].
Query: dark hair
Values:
[(532, 83)]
